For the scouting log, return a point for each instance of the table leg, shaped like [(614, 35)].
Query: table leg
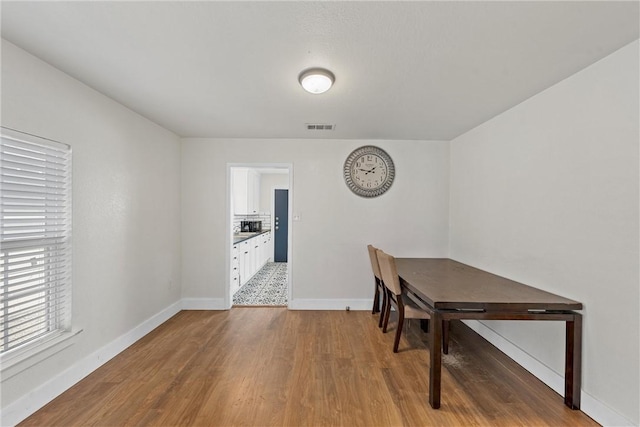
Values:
[(573, 362), (445, 336), (424, 325), (435, 366)]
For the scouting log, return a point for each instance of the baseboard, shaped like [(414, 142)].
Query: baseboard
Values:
[(591, 406), (19, 410), (330, 304), (203, 304), (296, 304)]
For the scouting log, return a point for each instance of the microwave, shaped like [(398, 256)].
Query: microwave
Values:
[(251, 226)]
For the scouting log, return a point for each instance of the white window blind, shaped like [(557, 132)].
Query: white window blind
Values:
[(35, 238)]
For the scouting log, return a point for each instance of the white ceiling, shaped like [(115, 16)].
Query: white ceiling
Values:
[(404, 70)]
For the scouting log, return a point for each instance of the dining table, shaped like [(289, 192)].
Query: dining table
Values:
[(451, 290)]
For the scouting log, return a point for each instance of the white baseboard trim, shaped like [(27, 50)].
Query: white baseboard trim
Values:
[(19, 410), (591, 406), (330, 304), (203, 304)]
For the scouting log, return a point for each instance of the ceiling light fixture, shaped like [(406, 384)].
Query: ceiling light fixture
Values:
[(316, 80)]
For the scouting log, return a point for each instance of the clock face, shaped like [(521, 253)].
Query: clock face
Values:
[(369, 171)]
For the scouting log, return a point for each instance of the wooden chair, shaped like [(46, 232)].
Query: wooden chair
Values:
[(379, 285), (405, 307)]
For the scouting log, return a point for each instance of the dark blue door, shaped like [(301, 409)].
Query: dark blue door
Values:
[(281, 235)]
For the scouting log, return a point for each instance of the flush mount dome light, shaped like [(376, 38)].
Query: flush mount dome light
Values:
[(316, 80)]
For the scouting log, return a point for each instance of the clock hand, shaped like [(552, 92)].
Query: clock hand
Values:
[(367, 172)]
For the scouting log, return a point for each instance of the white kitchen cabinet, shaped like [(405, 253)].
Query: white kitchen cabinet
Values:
[(254, 190), (253, 254), (261, 250), (264, 249), (235, 269), (245, 262), (245, 184)]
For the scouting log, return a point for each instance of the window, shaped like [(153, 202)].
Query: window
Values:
[(35, 239)]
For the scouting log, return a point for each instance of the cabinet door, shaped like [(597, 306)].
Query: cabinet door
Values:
[(235, 284), (245, 262), (265, 248), (239, 186), (245, 185), (255, 194), (255, 255)]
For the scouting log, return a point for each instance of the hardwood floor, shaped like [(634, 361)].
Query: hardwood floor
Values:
[(274, 367)]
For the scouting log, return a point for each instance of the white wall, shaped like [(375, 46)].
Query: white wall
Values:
[(329, 260), (547, 194), (269, 182), (126, 208)]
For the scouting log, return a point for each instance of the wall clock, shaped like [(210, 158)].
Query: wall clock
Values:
[(369, 171)]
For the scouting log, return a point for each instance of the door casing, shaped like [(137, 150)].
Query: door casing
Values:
[(227, 304)]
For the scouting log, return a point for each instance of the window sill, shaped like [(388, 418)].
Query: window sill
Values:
[(14, 362)]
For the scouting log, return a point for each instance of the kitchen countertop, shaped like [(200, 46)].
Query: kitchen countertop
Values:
[(241, 237)]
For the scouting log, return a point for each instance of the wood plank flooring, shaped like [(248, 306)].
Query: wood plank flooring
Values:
[(275, 367)]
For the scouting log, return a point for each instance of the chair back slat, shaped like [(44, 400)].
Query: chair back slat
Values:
[(374, 261), (389, 272)]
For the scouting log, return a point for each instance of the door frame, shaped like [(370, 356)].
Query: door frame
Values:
[(228, 303)]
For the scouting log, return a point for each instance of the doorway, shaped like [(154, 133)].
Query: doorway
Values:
[(259, 229)]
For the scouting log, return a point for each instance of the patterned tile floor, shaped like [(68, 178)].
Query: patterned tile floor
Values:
[(267, 287)]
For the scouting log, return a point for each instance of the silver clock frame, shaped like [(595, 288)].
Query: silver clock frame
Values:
[(348, 169)]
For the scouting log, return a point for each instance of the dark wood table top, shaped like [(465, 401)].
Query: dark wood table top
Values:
[(447, 284)]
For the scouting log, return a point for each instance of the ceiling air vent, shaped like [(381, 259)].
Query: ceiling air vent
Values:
[(320, 126)]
